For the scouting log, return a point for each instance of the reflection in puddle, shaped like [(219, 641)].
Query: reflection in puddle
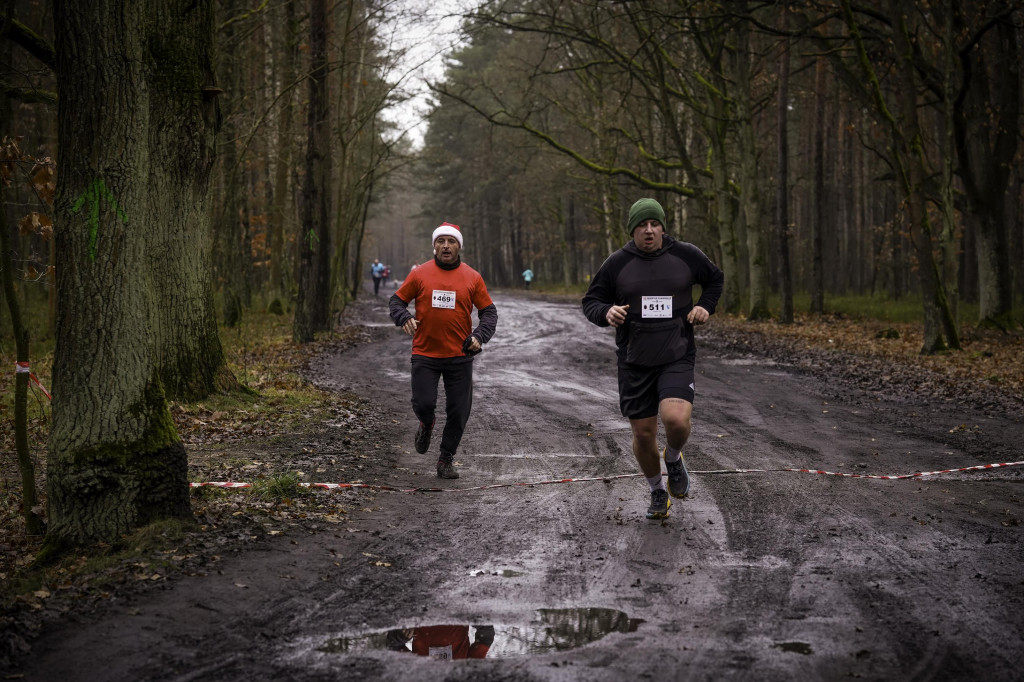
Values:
[(794, 647), (549, 630)]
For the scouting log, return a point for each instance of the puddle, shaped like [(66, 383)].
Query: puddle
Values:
[(794, 647), (548, 630)]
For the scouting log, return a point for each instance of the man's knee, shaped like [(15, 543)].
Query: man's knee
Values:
[(675, 414), (644, 430)]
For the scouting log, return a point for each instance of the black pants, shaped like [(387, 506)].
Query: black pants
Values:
[(376, 285), (458, 390)]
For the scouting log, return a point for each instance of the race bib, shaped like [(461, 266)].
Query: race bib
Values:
[(440, 653), (442, 299), (656, 306)]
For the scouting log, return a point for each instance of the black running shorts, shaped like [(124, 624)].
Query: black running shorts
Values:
[(641, 389)]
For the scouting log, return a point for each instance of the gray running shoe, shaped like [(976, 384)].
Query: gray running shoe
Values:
[(446, 469), (678, 478), (423, 437), (659, 504)]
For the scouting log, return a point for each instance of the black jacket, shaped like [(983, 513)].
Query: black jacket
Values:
[(629, 274)]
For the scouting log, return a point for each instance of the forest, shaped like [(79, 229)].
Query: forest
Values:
[(170, 166)]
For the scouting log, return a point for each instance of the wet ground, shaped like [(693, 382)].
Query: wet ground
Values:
[(768, 575)]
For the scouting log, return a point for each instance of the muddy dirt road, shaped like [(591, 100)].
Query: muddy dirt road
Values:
[(768, 576)]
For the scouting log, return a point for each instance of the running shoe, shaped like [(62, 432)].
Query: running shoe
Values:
[(423, 437), (678, 478), (659, 504), (446, 469)]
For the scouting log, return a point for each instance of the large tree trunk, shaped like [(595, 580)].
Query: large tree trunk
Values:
[(311, 309), (987, 124), (115, 461), (183, 120)]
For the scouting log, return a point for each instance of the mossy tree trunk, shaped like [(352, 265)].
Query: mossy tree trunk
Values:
[(183, 118), (114, 461)]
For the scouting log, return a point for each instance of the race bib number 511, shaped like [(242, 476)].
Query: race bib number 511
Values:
[(656, 306), (443, 299)]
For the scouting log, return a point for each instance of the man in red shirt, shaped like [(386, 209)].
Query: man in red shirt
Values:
[(443, 642), (445, 292)]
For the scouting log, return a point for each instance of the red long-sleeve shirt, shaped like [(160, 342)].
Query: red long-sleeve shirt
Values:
[(444, 307)]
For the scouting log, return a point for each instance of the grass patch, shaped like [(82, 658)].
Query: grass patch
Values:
[(277, 488)]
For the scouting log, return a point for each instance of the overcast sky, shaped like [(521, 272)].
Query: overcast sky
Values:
[(429, 30)]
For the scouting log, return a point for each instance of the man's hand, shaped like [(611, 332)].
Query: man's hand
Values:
[(410, 326), (474, 345), (616, 315), (698, 315)]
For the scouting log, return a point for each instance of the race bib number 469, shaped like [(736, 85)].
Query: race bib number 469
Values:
[(656, 306), (440, 653), (443, 299)]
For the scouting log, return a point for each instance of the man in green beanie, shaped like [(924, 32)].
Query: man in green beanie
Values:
[(645, 291)]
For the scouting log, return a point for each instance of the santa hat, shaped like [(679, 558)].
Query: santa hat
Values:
[(447, 229)]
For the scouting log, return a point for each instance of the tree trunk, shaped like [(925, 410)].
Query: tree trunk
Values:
[(115, 461), (182, 125), (232, 261), (314, 272), (282, 191), (818, 173), (782, 180), (987, 124), (757, 250), (33, 524), (940, 331)]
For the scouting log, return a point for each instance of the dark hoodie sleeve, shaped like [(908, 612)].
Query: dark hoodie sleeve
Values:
[(600, 294), (488, 323), (399, 310), (708, 275)]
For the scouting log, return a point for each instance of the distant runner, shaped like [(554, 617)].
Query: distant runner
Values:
[(445, 291), (645, 291), (377, 272)]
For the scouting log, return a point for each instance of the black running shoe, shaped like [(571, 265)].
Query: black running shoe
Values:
[(678, 478), (659, 504), (423, 437), (446, 469)]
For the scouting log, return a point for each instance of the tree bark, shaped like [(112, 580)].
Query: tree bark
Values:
[(311, 310), (782, 196), (818, 173), (750, 197), (182, 126), (987, 124), (282, 189), (33, 523), (114, 461)]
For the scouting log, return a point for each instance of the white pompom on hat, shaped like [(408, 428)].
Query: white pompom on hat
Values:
[(447, 229)]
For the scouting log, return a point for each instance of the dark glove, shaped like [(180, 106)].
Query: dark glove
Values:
[(466, 344), (396, 640), (484, 635)]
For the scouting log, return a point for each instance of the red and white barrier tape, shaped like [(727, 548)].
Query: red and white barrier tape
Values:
[(23, 368), (368, 486)]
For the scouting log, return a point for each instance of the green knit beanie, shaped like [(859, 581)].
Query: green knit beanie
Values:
[(644, 209)]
